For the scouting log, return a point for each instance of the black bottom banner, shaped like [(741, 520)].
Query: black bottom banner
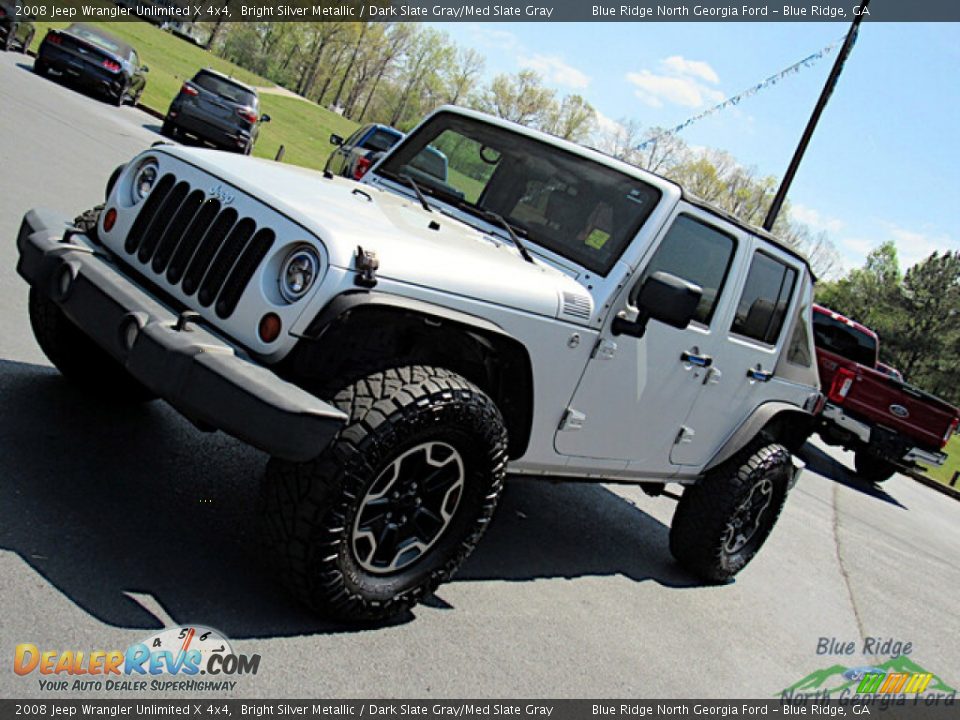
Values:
[(869, 707)]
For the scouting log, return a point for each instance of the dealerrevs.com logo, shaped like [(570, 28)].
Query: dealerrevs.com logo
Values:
[(189, 659)]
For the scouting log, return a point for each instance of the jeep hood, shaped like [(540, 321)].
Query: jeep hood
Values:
[(413, 246)]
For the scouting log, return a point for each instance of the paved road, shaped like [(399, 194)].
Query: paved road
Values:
[(115, 521)]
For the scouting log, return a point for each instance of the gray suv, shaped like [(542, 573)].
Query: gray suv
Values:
[(217, 109)]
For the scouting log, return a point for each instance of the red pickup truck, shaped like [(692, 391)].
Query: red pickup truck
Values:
[(888, 424)]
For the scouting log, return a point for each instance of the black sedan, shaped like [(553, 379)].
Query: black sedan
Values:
[(16, 26), (95, 60)]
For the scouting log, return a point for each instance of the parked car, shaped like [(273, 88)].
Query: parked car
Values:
[(353, 156), (16, 29), (397, 348), (94, 60), (189, 31), (217, 109), (887, 423)]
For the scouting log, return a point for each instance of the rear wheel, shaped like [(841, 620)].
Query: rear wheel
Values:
[(168, 129), (872, 468), (398, 500), (121, 96), (722, 522), (40, 67)]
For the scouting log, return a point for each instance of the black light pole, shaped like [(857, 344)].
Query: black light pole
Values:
[(814, 118)]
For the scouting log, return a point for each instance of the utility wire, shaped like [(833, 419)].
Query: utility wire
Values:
[(735, 100)]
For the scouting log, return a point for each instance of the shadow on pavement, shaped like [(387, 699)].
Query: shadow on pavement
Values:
[(569, 530), (66, 82), (106, 500), (819, 462)]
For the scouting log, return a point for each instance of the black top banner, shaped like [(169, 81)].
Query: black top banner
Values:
[(160, 11)]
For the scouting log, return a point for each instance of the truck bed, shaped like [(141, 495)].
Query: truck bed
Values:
[(879, 399)]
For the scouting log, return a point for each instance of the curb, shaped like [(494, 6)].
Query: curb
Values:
[(938, 486)]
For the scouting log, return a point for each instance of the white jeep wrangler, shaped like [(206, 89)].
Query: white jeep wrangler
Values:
[(400, 345)]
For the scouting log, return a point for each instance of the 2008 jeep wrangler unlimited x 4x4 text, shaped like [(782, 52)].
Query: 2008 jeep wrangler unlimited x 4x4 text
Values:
[(399, 346)]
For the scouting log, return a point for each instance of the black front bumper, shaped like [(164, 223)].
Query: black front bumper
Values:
[(194, 370)]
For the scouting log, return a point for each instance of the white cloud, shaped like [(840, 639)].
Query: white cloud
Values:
[(815, 219), (912, 246), (556, 70), (488, 37), (682, 82), (607, 125), (679, 65), (655, 89)]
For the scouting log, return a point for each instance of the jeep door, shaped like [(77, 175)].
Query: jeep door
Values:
[(745, 351), (635, 393)]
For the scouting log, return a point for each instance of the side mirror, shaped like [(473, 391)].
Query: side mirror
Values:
[(264, 118), (144, 68), (662, 297), (336, 140)]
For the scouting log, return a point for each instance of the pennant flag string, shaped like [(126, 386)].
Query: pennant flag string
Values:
[(808, 61)]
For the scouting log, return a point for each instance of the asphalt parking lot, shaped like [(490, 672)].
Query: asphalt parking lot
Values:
[(115, 522)]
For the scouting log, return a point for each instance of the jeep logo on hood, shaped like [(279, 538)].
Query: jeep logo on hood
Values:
[(900, 411), (221, 194)]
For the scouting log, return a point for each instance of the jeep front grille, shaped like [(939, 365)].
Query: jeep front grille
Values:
[(194, 242)]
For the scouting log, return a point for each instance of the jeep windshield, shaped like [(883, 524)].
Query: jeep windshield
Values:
[(580, 209)]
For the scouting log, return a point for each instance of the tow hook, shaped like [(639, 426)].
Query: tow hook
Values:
[(185, 318)]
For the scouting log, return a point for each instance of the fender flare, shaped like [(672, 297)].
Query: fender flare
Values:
[(514, 393), (760, 418), (346, 302)]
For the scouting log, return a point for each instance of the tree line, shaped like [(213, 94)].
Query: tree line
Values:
[(916, 314)]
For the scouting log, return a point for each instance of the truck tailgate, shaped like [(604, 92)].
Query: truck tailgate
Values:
[(886, 401)]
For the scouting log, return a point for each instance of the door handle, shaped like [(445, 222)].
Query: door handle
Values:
[(703, 361), (759, 374)]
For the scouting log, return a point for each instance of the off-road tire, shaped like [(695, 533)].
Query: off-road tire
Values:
[(703, 535), (78, 358), (40, 67), (872, 468), (309, 510)]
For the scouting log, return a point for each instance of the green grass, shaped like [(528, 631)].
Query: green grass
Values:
[(945, 472), (303, 128)]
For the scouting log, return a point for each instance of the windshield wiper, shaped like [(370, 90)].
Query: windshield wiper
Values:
[(502, 222), (412, 184)]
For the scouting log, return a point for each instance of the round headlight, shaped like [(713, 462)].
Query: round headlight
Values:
[(298, 273), (143, 180)]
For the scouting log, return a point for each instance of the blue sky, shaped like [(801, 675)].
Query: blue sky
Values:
[(884, 163)]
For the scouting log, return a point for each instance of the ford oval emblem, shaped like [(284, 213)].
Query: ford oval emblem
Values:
[(900, 411), (222, 195)]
